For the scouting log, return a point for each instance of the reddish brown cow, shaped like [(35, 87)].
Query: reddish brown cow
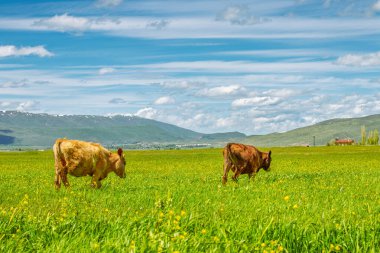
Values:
[(244, 159), (80, 158)]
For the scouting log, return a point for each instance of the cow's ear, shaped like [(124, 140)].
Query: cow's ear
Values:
[(270, 152), (120, 152)]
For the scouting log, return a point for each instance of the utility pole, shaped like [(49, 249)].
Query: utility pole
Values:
[(314, 140)]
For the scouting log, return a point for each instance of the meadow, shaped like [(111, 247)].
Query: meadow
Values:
[(316, 199)]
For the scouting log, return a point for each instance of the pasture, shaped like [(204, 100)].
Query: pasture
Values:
[(317, 199)]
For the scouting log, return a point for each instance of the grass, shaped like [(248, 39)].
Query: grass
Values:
[(323, 199)]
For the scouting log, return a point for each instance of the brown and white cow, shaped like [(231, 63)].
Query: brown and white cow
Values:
[(80, 158), (244, 159)]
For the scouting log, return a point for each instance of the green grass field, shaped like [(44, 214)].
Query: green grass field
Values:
[(324, 199)]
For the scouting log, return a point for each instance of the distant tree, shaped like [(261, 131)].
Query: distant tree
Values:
[(331, 142), (370, 138), (364, 136), (375, 137)]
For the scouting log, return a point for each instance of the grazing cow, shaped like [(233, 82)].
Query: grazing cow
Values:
[(80, 158), (244, 159)]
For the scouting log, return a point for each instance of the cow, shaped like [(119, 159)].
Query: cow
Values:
[(244, 159), (80, 158)]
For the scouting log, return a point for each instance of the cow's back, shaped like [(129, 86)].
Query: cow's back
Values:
[(240, 154), (80, 157)]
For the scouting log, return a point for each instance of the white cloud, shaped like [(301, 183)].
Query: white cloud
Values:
[(104, 71), (118, 101), (160, 24), (181, 84), (108, 3), (376, 6), (255, 101), (148, 113), (28, 105), (240, 15), (64, 23), (222, 91), (245, 67), (282, 93), (164, 100), (14, 84), (200, 26), (225, 122), (361, 60), (10, 50)]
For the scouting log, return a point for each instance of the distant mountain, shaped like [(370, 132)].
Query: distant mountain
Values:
[(323, 132), (19, 129)]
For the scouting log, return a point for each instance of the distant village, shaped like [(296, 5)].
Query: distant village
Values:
[(370, 138)]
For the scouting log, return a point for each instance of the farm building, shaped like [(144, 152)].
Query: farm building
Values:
[(343, 142)]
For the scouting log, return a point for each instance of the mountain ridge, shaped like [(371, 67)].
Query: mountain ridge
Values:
[(35, 130), (21, 129)]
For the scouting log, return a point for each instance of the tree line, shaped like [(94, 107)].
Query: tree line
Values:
[(372, 138)]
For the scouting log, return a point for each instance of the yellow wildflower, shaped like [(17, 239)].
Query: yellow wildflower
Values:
[(203, 231), (286, 198), (95, 246), (132, 246)]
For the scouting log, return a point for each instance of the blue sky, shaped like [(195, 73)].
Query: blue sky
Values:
[(210, 66)]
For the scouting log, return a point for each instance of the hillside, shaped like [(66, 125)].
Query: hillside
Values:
[(18, 129), (323, 132)]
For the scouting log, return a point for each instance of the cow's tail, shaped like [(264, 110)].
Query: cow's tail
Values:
[(228, 162), (230, 155), (59, 163), (58, 156)]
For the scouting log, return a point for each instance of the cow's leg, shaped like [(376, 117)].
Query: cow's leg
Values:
[(227, 167), (57, 180), (63, 176), (251, 176), (96, 181), (237, 174), (96, 184), (64, 171)]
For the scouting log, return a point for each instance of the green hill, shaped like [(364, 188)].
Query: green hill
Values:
[(323, 132), (18, 129)]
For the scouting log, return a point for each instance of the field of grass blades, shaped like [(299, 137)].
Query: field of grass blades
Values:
[(316, 199)]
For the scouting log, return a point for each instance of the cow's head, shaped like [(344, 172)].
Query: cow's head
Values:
[(266, 160), (120, 164)]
